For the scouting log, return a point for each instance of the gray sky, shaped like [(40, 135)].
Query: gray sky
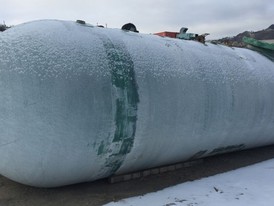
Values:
[(220, 18)]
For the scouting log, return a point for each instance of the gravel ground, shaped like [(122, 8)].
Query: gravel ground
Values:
[(101, 192)]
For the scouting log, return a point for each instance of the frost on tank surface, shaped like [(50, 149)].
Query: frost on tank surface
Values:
[(98, 102)]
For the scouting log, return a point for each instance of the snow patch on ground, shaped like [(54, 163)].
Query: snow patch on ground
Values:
[(251, 186)]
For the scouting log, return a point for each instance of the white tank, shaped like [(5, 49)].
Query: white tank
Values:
[(80, 103)]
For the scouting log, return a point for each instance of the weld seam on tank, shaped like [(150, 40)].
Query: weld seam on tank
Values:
[(125, 99)]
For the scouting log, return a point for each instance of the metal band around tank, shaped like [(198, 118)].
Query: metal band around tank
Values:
[(125, 102)]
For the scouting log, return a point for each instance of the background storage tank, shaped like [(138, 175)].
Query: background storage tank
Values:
[(80, 103)]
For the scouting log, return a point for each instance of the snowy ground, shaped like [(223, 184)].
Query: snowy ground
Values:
[(252, 186)]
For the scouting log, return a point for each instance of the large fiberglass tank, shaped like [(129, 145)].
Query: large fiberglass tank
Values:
[(80, 103)]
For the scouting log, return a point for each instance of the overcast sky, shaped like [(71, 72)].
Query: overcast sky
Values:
[(220, 18)]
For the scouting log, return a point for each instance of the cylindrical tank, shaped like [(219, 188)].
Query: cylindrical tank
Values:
[(80, 103)]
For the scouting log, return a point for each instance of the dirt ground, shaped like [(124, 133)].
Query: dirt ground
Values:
[(101, 192)]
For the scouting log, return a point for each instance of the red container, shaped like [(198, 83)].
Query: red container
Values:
[(167, 33)]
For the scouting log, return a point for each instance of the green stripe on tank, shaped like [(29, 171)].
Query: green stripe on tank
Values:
[(126, 98)]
